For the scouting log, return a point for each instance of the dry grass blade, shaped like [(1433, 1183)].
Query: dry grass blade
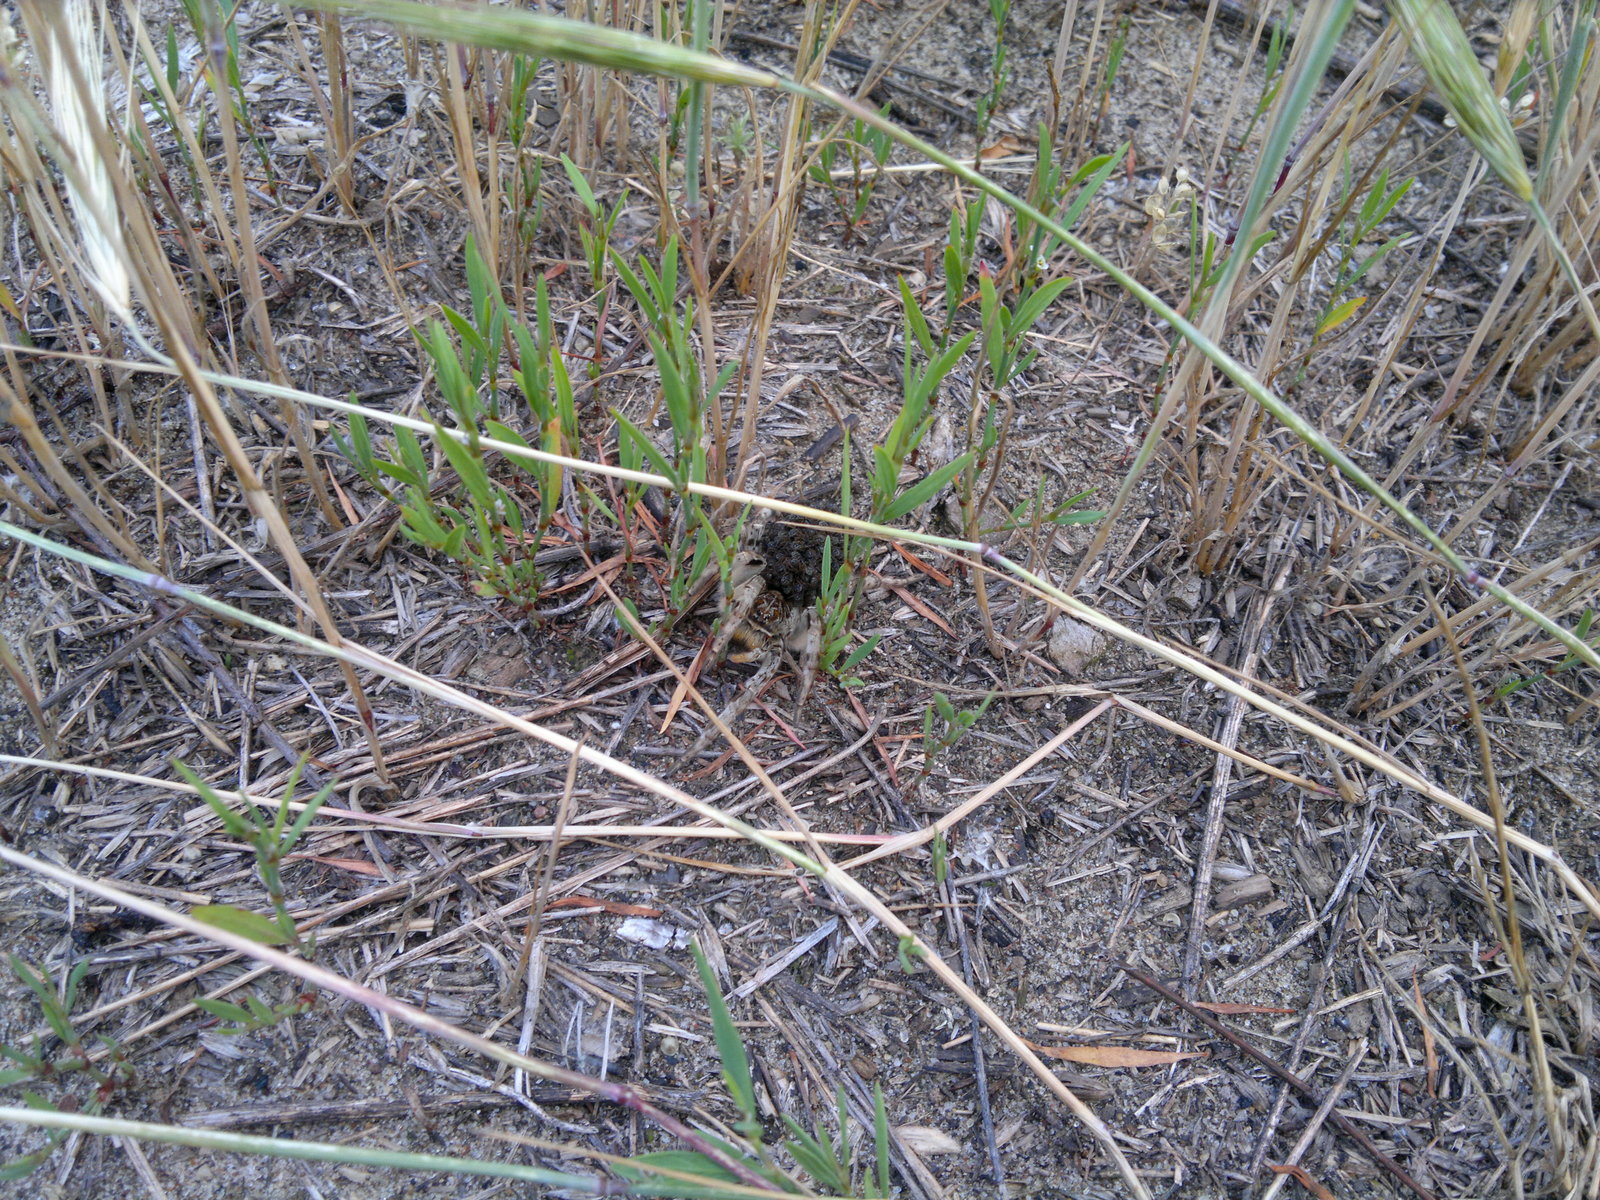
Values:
[(1513, 922)]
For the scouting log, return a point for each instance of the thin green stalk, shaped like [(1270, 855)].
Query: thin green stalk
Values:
[(240, 1143)]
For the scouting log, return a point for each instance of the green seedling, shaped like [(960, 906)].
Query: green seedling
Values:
[(1048, 192), (497, 513), (836, 605), (271, 840), (866, 146), (169, 69), (822, 1155), (1005, 330), (254, 1014), (738, 139), (526, 191), (925, 366), (1570, 663), (960, 252), (38, 1064), (999, 70), (1036, 512), (595, 226), (1004, 355), (689, 402), (1272, 83), (214, 24), (1115, 50), (1358, 228), (951, 726), (908, 953)]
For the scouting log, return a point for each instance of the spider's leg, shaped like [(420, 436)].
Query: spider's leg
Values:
[(804, 643), (736, 707), (737, 613)]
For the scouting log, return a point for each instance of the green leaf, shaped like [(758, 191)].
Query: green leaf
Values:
[(422, 526), (486, 305), (401, 475), (581, 186), (223, 1010), (1339, 314), (915, 322), (240, 922), (468, 333), (940, 366), (723, 376), (642, 442), (817, 1157), (411, 455), (690, 1162), (926, 489), (21, 1168), (637, 289), (730, 1045), (235, 824), (880, 1138), (504, 433), (1031, 309), (49, 1004), (305, 817), (1102, 168), (1372, 260), (908, 952), (468, 465), (358, 449), (860, 652)]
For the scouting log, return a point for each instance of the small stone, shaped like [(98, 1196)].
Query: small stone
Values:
[(1074, 645), (1185, 595)]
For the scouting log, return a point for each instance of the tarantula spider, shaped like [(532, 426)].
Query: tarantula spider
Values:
[(758, 624)]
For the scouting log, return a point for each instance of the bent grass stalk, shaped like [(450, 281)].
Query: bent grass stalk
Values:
[(560, 38)]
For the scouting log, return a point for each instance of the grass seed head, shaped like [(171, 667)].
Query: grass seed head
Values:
[(75, 52), (1441, 46)]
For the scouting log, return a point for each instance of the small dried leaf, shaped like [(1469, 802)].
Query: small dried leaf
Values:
[(1231, 1010), (1304, 1180), (925, 1140), (1007, 145), (1115, 1056), (356, 866)]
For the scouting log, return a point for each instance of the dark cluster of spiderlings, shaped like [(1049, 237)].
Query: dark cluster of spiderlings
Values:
[(794, 561)]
